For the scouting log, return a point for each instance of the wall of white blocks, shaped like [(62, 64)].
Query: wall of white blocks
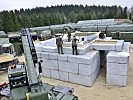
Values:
[(84, 68), (80, 69), (117, 66)]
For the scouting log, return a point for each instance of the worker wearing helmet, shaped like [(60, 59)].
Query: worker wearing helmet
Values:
[(59, 43), (74, 45)]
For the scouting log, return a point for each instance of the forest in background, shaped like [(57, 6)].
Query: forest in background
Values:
[(43, 16)]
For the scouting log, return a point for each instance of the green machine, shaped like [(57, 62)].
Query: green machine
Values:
[(25, 83)]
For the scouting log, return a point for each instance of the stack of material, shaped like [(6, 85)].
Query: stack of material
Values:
[(117, 66), (50, 47), (110, 45), (80, 69)]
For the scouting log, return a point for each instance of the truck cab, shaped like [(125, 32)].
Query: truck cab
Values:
[(7, 49), (8, 55)]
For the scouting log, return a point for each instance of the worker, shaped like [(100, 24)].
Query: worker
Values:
[(69, 36), (59, 43), (74, 45), (68, 32), (118, 35)]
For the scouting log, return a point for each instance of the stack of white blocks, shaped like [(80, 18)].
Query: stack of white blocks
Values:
[(80, 69), (50, 47), (83, 69), (117, 66)]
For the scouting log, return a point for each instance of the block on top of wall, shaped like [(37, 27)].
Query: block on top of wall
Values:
[(119, 45)]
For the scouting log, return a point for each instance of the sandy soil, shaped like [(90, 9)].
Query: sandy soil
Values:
[(99, 90)]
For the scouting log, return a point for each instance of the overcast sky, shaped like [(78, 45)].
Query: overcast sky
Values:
[(17, 4)]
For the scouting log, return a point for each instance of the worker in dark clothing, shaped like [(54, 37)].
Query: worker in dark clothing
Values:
[(69, 36), (59, 43), (118, 35), (74, 45)]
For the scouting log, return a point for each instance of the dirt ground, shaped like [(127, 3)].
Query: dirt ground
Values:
[(99, 90)]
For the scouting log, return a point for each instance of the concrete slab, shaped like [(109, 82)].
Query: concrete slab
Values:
[(38, 55), (83, 59), (44, 55), (53, 56), (126, 47), (116, 57), (67, 50), (50, 64), (117, 69), (83, 79), (80, 79), (46, 72), (49, 49), (119, 80), (119, 45), (63, 57), (38, 47), (55, 74), (68, 67), (88, 69), (63, 76), (85, 69)]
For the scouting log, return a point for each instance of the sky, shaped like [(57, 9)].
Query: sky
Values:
[(18, 4)]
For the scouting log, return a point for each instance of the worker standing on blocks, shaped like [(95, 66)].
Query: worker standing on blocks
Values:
[(118, 35), (74, 45), (69, 36), (59, 43)]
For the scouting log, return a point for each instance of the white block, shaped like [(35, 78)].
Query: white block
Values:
[(63, 76), (44, 55), (116, 57), (119, 45), (83, 79), (85, 69), (91, 47), (55, 74), (80, 79), (117, 69), (120, 80), (49, 42), (62, 57), (50, 64), (38, 48), (67, 50), (88, 69), (109, 47), (68, 67), (46, 72), (38, 55), (82, 50), (83, 59), (49, 49), (53, 56), (126, 47)]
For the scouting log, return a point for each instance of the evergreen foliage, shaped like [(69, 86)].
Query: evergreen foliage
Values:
[(40, 16)]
